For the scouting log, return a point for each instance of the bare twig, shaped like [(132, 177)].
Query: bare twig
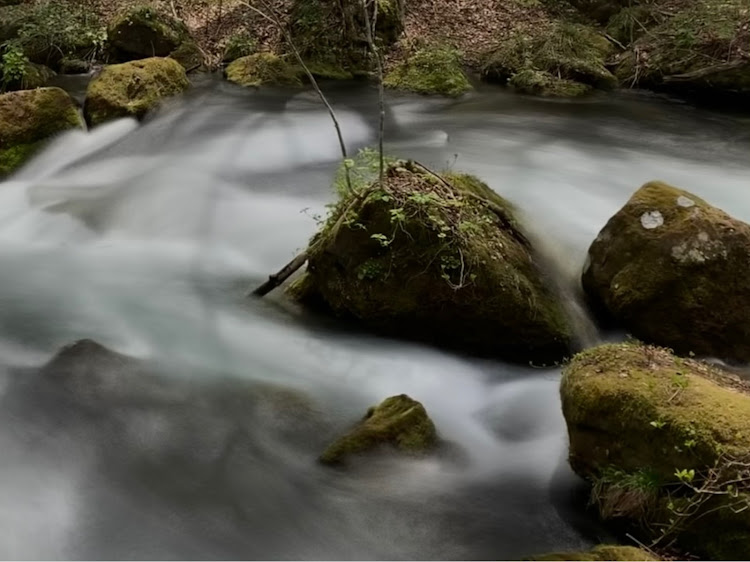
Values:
[(370, 27)]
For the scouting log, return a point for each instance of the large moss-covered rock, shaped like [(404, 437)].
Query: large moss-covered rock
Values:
[(674, 271), (144, 32), (649, 429), (569, 52), (429, 70), (131, 89), (263, 69), (695, 47), (603, 553), (441, 260), (29, 117), (398, 421)]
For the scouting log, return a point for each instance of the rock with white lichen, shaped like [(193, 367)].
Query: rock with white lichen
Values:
[(674, 271)]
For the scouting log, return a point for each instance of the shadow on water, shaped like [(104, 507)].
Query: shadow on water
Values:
[(201, 441)]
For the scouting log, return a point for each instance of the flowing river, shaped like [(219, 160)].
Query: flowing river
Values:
[(146, 239)]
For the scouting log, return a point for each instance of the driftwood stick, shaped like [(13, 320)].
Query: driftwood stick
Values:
[(282, 275)]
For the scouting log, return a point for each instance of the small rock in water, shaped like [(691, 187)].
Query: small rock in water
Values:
[(398, 421)]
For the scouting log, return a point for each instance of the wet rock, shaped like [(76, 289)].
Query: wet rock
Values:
[(398, 421), (429, 70), (545, 84), (30, 117), (132, 89), (438, 261), (144, 32), (674, 271), (263, 69), (648, 428), (603, 553), (74, 66)]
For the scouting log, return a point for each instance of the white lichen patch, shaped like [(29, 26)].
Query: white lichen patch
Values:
[(651, 220), (683, 201), (699, 250)]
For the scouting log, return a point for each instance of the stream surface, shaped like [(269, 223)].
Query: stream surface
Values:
[(146, 238)]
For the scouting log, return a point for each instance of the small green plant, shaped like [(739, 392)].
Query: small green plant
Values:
[(363, 170), (658, 424), (239, 45), (685, 475), (13, 65)]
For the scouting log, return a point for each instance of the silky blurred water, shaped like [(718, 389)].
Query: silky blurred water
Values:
[(146, 238)]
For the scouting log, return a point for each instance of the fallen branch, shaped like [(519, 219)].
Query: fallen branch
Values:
[(706, 71), (284, 273)]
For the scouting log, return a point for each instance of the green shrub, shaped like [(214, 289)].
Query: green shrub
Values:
[(13, 64), (239, 45)]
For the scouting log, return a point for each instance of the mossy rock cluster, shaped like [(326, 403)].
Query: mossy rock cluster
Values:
[(429, 70), (264, 69), (30, 117), (131, 89), (603, 553), (674, 271), (695, 47), (398, 422), (144, 32), (556, 60), (666, 443), (331, 36), (440, 259)]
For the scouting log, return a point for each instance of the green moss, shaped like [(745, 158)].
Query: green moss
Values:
[(568, 52), (430, 70), (637, 415), (673, 270), (12, 158), (611, 395), (264, 69), (541, 83), (28, 118), (145, 32), (398, 421), (131, 89), (442, 261), (602, 553)]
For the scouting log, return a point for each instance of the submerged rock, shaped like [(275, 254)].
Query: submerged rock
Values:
[(263, 69), (131, 89), (143, 32), (604, 552), (564, 59), (436, 259), (398, 421), (429, 70), (648, 428), (30, 117), (674, 271)]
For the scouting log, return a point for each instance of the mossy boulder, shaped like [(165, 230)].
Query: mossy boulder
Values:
[(28, 118), (649, 429), (399, 422), (542, 83), (698, 47), (131, 89), (264, 69), (189, 55), (430, 70), (566, 51), (674, 271), (439, 259), (144, 32), (601, 553)]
